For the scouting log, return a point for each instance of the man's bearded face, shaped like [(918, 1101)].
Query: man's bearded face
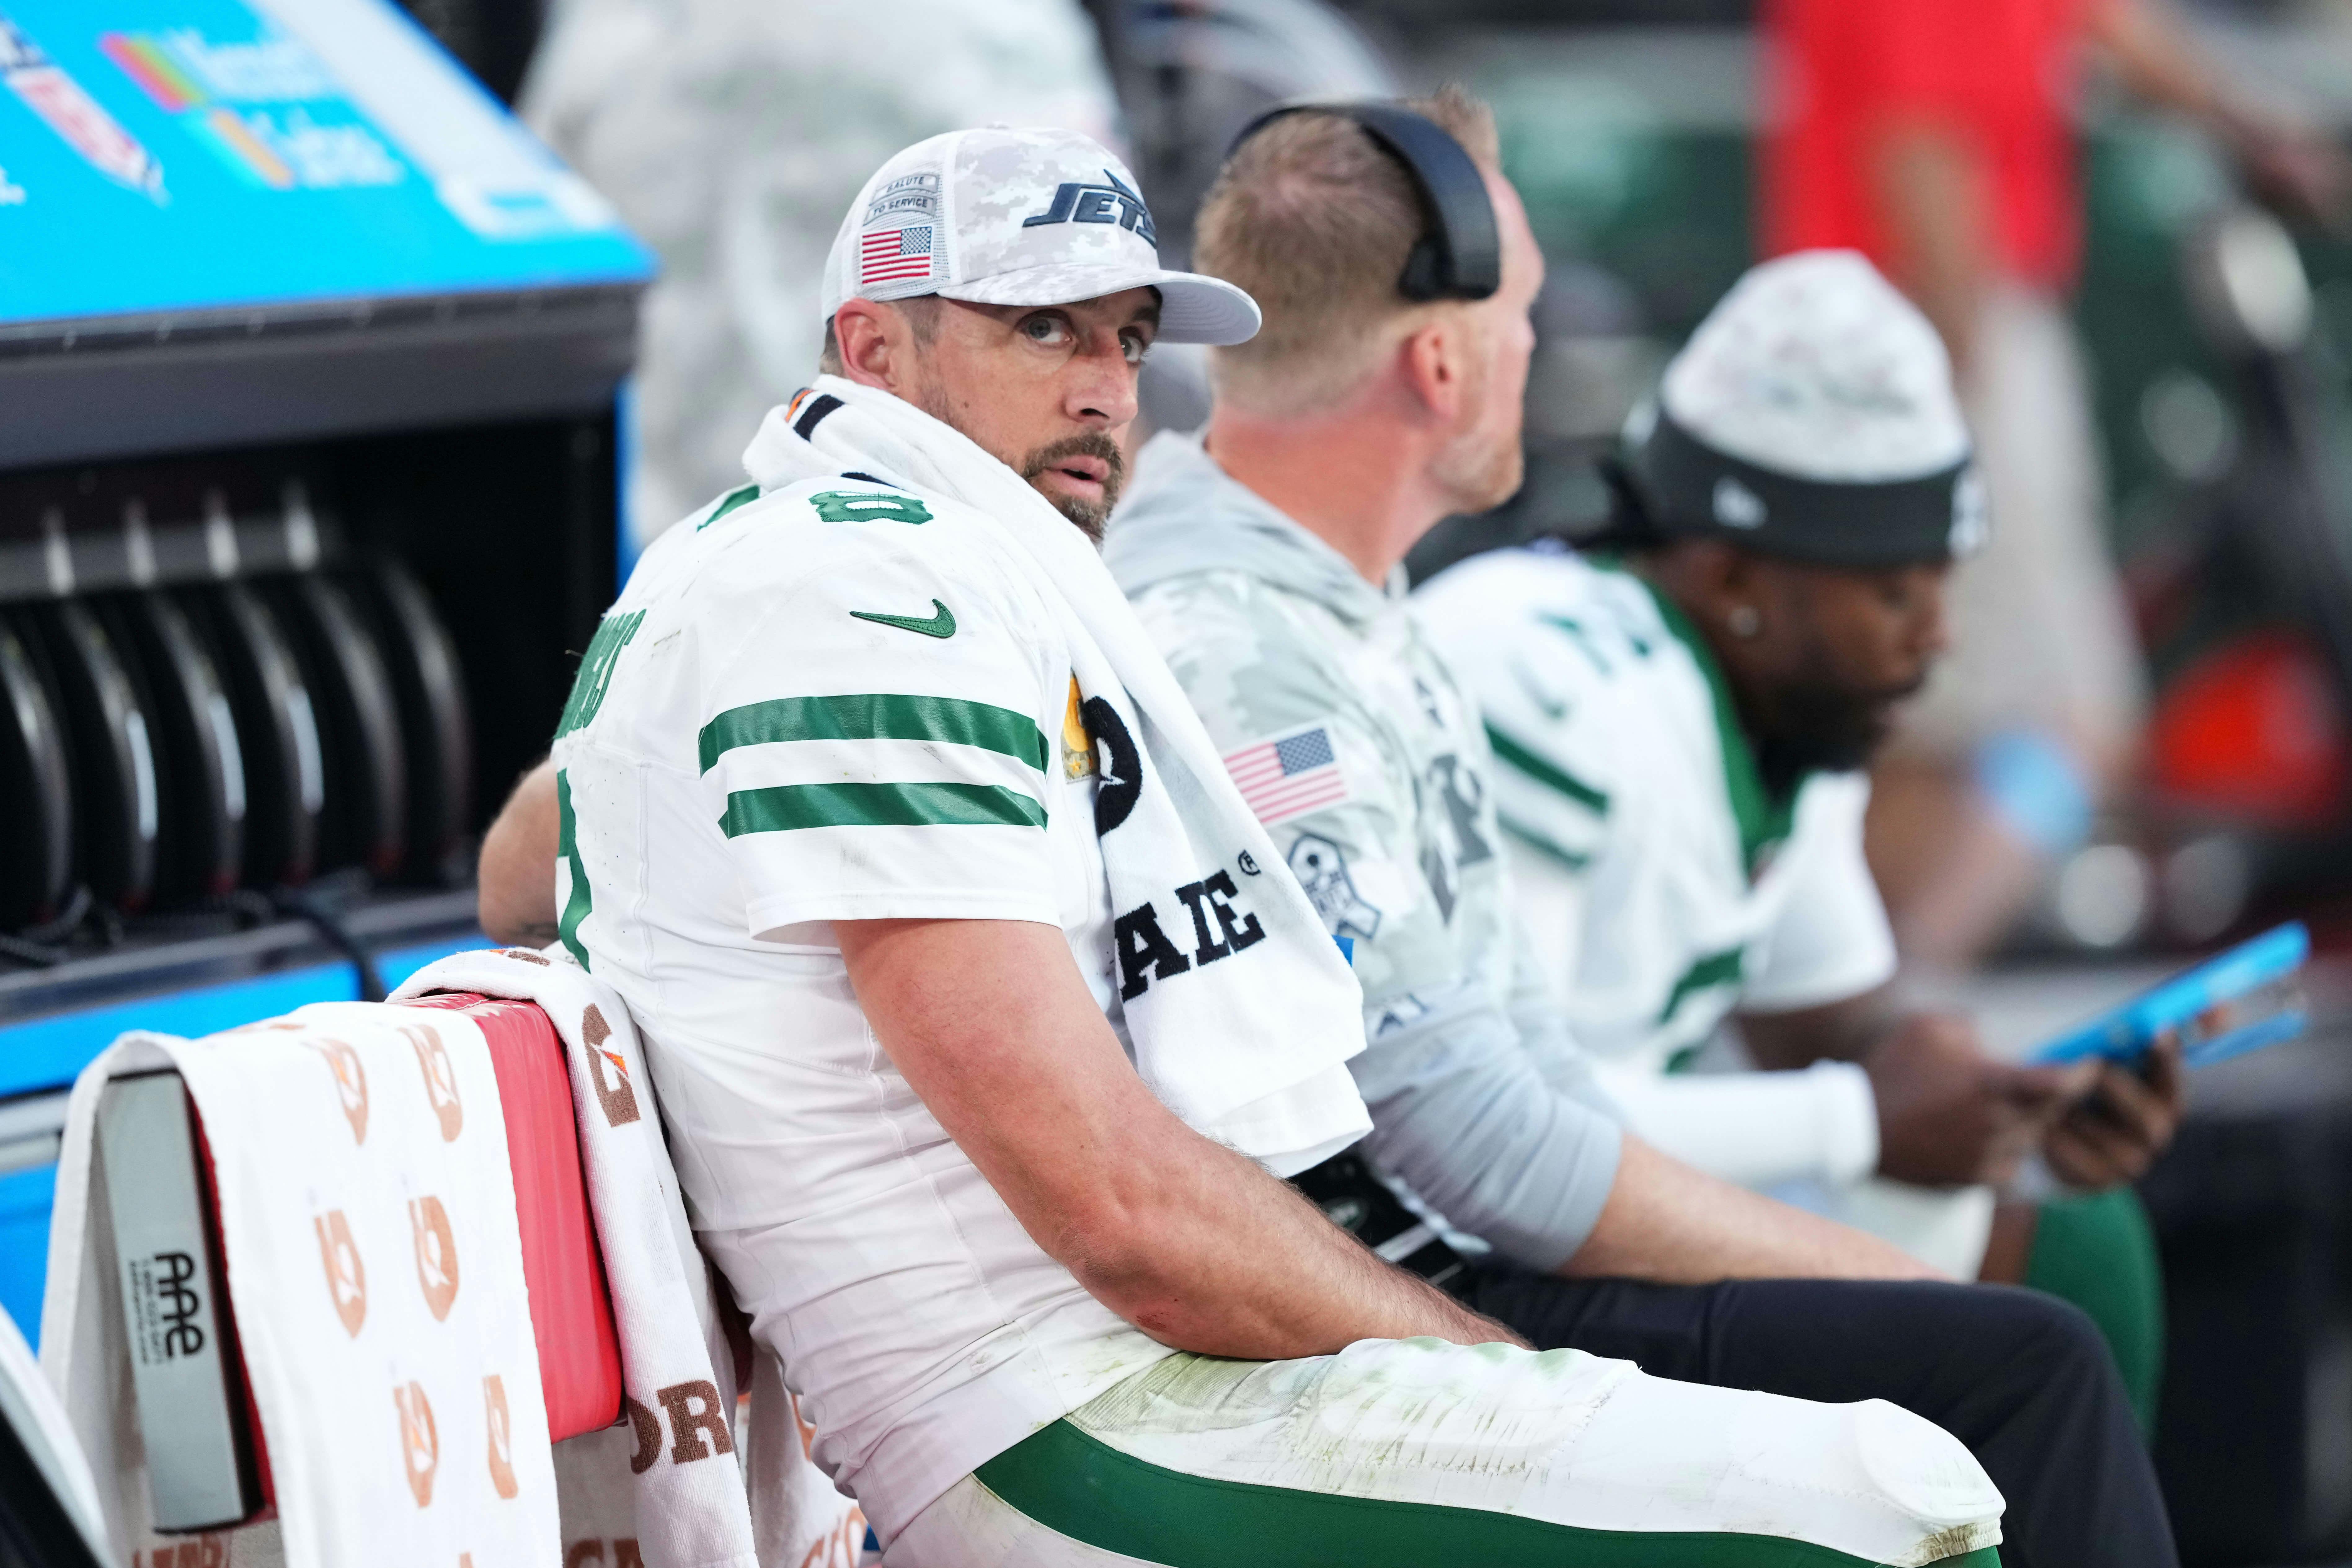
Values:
[(1822, 724)]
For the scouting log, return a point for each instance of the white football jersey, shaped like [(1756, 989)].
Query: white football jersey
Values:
[(1659, 882), (837, 702)]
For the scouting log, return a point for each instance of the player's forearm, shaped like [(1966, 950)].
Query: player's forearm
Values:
[(515, 898), (1210, 1254), (1841, 1031), (1668, 1223), (1931, 189)]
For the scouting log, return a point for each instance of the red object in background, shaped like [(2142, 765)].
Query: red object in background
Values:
[(571, 1310), (1997, 74), (2252, 730)]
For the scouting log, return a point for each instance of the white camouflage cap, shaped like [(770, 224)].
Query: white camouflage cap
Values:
[(1812, 416), (1817, 366), (1001, 216)]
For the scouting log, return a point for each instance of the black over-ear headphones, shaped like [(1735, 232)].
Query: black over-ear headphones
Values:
[(1461, 255)]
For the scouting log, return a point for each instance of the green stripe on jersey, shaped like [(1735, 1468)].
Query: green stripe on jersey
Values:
[(1518, 755), (734, 499), (1725, 968), (1071, 1481), (875, 716), (567, 846), (787, 809), (1573, 860)]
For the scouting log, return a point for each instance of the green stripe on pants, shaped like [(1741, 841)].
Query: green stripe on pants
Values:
[(1085, 1488), (2098, 1252)]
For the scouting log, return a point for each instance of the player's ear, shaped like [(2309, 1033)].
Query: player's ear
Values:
[(1432, 362), (1715, 573), (872, 350)]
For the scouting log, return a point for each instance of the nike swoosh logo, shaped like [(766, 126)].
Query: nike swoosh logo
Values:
[(939, 626), (1552, 707)]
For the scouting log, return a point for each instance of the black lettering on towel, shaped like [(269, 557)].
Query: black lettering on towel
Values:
[(1239, 928), (1119, 781), (1145, 953), (1143, 946)]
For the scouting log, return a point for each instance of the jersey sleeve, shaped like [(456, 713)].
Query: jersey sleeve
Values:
[(1545, 678), (872, 736), (1831, 941)]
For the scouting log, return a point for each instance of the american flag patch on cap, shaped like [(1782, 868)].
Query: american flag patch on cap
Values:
[(1290, 775), (895, 255)]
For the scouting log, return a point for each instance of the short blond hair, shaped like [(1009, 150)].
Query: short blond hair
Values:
[(1316, 221)]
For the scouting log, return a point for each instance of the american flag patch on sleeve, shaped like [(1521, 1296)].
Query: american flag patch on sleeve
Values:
[(1289, 775), (895, 255)]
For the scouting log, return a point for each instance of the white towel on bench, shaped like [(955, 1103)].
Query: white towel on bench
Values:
[(368, 1225)]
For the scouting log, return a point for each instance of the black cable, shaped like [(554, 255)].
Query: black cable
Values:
[(310, 904), (63, 926), (44, 946), (30, 953)]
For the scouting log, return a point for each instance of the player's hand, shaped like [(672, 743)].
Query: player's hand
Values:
[(1950, 1116), (2115, 1132)]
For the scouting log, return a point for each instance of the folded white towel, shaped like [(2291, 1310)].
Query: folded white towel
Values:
[(368, 1230)]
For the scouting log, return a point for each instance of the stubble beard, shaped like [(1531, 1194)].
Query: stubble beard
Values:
[(1482, 477), (1091, 516), (1823, 726), (1484, 469)]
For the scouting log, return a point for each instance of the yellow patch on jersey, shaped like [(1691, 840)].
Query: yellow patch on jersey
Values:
[(1077, 746)]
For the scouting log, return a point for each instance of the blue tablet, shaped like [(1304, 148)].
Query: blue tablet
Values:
[(2240, 1001)]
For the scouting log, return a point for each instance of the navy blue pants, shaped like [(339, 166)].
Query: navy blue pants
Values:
[(2024, 1379)]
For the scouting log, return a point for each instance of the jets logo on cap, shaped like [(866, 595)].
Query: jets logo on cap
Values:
[(1736, 506), (1970, 525), (1083, 202)]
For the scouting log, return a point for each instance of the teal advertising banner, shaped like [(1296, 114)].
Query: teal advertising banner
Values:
[(163, 155)]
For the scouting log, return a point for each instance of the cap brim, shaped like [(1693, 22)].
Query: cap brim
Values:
[(1192, 309)]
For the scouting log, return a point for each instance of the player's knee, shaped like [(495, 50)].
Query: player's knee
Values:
[(2048, 1340)]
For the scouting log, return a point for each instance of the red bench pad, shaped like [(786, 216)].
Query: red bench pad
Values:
[(571, 1311)]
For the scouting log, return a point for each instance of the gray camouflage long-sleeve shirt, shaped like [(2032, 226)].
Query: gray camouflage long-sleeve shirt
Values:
[(1351, 740)]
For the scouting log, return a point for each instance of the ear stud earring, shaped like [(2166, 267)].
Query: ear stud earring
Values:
[(1743, 621)]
